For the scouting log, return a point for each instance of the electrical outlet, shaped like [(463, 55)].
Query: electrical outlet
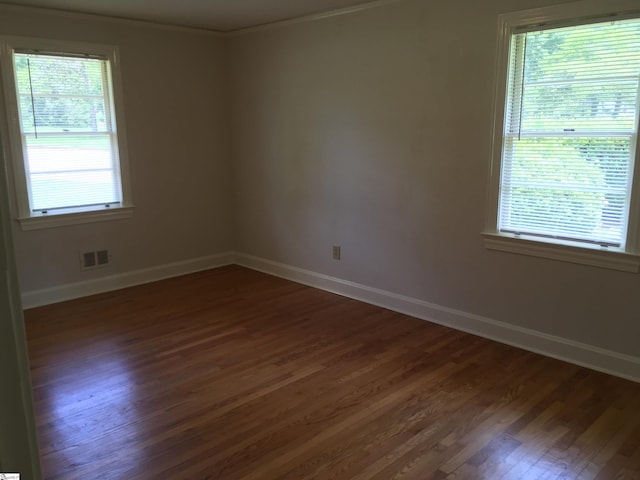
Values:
[(336, 252)]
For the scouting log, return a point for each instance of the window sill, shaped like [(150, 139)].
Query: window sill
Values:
[(74, 218), (566, 252)]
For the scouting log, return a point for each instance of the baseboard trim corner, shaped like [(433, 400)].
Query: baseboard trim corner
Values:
[(585, 355), (70, 291)]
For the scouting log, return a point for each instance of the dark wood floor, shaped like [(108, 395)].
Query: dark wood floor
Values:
[(233, 374)]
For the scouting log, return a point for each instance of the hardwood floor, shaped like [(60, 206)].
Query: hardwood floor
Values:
[(233, 374)]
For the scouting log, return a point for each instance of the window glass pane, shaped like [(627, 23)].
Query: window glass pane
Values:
[(59, 190), (70, 170), (580, 107), (572, 188), (59, 75), (587, 52), (62, 114), (67, 152)]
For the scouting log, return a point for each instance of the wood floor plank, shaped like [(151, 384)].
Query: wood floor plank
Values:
[(236, 375)]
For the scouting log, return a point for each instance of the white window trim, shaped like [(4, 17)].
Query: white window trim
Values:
[(576, 13), (10, 130)]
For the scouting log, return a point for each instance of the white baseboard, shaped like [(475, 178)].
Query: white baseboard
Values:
[(582, 354), (61, 293), (596, 358)]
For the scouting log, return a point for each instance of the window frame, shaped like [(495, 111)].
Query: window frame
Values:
[(13, 146), (571, 14)]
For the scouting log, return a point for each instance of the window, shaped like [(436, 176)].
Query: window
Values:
[(565, 146), (64, 107)]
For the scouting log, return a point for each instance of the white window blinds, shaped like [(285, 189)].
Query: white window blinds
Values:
[(68, 132), (570, 132)]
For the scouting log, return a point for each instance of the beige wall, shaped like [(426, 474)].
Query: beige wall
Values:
[(176, 119), (369, 130), (372, 131)]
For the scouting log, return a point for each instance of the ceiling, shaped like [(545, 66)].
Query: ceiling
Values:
[(218, 15)]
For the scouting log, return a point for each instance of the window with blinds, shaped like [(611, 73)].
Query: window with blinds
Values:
[(66, 143), (67, 131), (570, 133)]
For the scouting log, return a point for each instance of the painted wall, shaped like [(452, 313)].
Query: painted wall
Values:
[(176, 119), (369, 130), (372, 131)]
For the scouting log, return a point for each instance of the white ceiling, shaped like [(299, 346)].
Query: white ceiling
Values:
[(220, 15)]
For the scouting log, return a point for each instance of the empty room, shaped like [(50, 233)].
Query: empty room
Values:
[(320, 239)]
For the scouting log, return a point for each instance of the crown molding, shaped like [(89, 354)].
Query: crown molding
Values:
[(10, 7), (311, 18), (197, 30)]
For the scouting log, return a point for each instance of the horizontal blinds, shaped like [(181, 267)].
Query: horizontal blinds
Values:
[(67, 131), (570, 132)]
